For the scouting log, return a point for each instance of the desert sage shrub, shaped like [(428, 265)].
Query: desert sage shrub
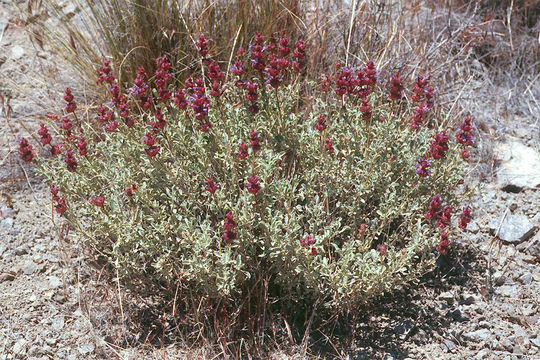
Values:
[(332, 192)]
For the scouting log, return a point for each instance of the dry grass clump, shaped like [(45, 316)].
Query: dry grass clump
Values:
[(135, 33)]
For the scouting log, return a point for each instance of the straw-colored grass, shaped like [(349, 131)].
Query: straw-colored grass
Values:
[(133, 33)]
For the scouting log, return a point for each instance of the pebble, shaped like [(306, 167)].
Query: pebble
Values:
[(495, 345), (7, 222), (29, 267), (525, 279), (482, 354), (484, 324), (536, 341), (510, 291), (403, 328), (478, 335), (17, 52), (50, 341), (86, 349), (58, 322), (20, 251), (449, 345), (35, 350), (499, 278), (467, 299), (519, 350), (54, 282), (6, 277), (532, 247), (458, 315), (506, 343), (446, 296), (19, 349), (473, 227)]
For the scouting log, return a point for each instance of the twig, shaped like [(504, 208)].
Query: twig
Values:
[(353, 10), (308, 328)]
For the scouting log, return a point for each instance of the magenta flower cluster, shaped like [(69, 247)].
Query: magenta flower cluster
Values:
[(465, 136), (443, 218), (229, 224), (61, 206), (307, 241)]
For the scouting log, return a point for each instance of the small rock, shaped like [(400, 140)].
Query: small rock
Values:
[(20, 251), (458, 315), (473, 227), (521, 340), (86, 348), (520, 166), (467, 300), (6, 277), (510, 291), (29, 267), (403, 328), (499, 278), (35, 350), (58, 322), (495, 345), (421, 337), (446, 296), (484, 324), (59, 297), (50, 341), (7, 222), (525, 279), (19, 349), (536, 341), (507, 344), (514, 229), (482, 354), (478, 335), (528, 310), (449, 345), (532, 247), (519, 349), (54, 282), (17, 52)]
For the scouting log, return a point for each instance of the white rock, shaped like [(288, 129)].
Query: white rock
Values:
[(58, 323), (86, 348), (520, 166), (478, 335), (19, 349), (512, 228), (17, 52), (54, 282), (29, 267)]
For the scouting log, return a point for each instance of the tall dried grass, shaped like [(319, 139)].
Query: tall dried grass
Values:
[(132, 33)]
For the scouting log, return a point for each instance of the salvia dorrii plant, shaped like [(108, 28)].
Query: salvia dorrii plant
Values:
[(223, 187)]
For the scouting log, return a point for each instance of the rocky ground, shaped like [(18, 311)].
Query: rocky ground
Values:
[(482, 304)]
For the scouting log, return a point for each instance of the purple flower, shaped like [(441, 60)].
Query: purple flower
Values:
[(422, 167)]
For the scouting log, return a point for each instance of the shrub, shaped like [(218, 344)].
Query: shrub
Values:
[(330, 193)]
